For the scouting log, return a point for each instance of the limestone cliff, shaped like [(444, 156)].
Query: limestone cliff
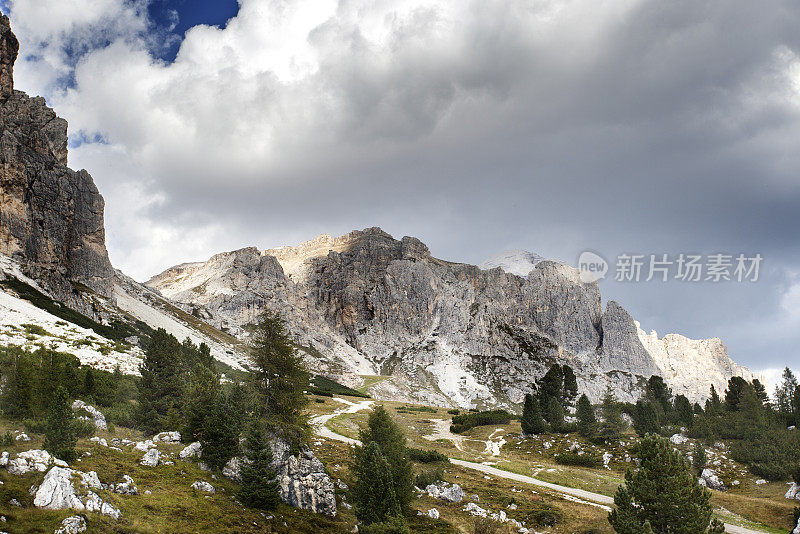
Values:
[(441, 332), (51, 217)]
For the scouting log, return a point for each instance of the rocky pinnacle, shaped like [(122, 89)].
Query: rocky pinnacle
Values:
[(9, 48)]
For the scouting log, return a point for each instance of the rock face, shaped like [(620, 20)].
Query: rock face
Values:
[(444, 333), (302, 480), (51, 217)]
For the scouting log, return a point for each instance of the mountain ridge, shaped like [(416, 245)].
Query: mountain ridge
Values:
[(438, 327)]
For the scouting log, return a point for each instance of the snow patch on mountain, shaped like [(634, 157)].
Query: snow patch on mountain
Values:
[(518, 262)]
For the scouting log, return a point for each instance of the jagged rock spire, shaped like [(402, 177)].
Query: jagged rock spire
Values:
[(9, 48)]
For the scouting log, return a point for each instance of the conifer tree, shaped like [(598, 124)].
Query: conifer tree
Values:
[(683, 411), (645, 418), (761, 391), (88, 384), (662, 491), (735, 392), (220, 435), (532, 420), (551, 386), (279, 380), (784, 392), (555, 414), (201, 394), (610, 429), (373, 493), (569, 389), (60, 436), (699, 458), (259, 488), (161, 386), (391, 441), (587, 422), (17, 399)]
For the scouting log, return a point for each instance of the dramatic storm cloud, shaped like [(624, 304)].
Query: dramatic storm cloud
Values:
[(631, 126)]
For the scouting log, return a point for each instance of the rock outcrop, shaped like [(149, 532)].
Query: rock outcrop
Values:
[(302, 480), (444, 333), (51, 217)]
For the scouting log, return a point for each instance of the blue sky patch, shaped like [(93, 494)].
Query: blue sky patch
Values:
[(177, 16)]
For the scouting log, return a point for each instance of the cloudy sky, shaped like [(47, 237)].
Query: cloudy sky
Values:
[(554, 126)]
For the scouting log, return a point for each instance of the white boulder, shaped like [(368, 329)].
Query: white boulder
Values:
[(678, 439), (205, 487), (233, 469), (193, 450), (760, 482), (57, 492), (433, 513), (95, 504), (94, 415), (72, 525), (709, 478), (444, 492), (793, 492), (144, 446), (151, 458), (126, 487), (167, 437), (4, 459)]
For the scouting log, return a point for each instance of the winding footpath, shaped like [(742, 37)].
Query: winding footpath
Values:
[(574, 494)]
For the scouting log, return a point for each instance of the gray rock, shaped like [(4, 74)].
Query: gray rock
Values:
[(72, 525), (167, 437), (57, 491), (4, 459), (709, 478), (678, 439), (151, 458), (193, 450), (232, 469), (126, 487), (302, 479), (203, 486), (443, 491), (94, 415), (433, 513), (51, 217)]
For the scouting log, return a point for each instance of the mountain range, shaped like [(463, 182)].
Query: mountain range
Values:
[(365, 309)]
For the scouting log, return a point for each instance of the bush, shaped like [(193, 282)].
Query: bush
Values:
[(771, 471), (462, 423), (428, 477), (7, 439), (34, 426), (320, 401), (582, 460), (426, 456), (121, 415), (454, 411), (84, 428)]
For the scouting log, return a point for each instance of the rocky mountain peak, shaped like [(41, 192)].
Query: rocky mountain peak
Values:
[(9, 48), (51, 217)]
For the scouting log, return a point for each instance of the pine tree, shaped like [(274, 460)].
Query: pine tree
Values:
[(645, 418), (279, 380), (611, 427), (735, 392), (17, 399), (60, 436), (587, 422), (658, 392), (220, 436), (784, 393), (532, 420), (699, 458), (161, 387), (683, 411), (555, 414), (201, 394), (373, 493), (259, 488), (761, 391), (88, 384), (713, 403), (663, 491), (551, 386), (569, 388), (391, 441)]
